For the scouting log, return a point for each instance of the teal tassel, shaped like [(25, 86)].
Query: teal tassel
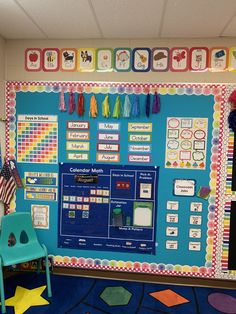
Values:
[(127, 107)]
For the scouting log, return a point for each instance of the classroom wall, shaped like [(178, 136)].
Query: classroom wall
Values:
[(15, 70), (2, 106), (15, 61), (2, 74)]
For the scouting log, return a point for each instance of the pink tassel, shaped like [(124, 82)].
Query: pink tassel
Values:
[(71, 103), (62, 104)]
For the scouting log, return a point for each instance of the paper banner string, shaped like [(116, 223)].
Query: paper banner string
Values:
[(148, 105), (93, 111), (62, 104), (127, 107), (117, 108), (135, 110), (156, 106), (81, 105), (106, 107), (71, 103)]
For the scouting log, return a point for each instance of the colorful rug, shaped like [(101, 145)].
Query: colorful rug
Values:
[(26, 293)]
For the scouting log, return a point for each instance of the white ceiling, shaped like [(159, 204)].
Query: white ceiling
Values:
[(80, 19)]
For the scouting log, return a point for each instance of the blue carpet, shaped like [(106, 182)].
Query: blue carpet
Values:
[(78, 295)]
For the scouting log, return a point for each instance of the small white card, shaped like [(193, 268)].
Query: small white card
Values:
[(196, 207), (145, 190), (173, 218), (194, 246), (171, 245), (172, 205), (195, 220), (172, 231), (183, 187), (195, 233), (40, 216)]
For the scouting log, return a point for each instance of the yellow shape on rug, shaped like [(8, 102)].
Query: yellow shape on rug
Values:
[(25, 298)]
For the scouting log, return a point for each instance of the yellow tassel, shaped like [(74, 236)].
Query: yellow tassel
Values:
[(106, 108)]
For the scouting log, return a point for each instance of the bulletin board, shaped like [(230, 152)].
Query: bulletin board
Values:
[(144, 191)]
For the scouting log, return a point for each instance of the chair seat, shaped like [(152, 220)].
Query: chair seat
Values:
[(22, 254)]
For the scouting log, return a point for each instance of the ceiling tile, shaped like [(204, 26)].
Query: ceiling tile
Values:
[(230, 30), (15, 24), (201, 18), (129, 18), (65, 19)]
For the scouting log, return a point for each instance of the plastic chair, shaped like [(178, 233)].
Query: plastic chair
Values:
[(23, 247)]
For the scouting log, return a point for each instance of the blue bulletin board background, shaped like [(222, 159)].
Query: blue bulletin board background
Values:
[(176, 251)]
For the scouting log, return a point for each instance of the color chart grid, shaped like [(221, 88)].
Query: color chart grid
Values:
[(37, 142)]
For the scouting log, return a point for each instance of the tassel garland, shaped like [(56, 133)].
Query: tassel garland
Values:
[(117, 108), (80, 105), (148, 105), (62, 104), (93, 111), (71, 103), (156, 106), (127, 107), (135, 110), (106, 108), (232, 99)]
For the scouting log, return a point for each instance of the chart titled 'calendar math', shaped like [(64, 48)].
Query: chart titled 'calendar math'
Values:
[(108, 207)]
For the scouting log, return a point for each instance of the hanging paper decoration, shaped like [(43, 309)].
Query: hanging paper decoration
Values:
[(127, 107), (135, 110), (156, 106), (232, 120), (93, 111), (62, 104), (232, 99), (71, 103), (117, 108), (106, 107), (80, 105), (232, 115), (148, 105)]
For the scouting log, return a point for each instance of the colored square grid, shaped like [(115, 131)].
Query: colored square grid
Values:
[(169, 298), (37, 142)]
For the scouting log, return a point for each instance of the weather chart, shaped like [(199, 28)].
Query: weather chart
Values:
[(125, 176)]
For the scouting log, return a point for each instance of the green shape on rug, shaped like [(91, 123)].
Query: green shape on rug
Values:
[(114, 296)]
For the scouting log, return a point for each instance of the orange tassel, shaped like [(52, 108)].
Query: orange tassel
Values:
[(93, 107)]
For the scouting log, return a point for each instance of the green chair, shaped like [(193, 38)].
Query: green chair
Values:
[(19, 244)]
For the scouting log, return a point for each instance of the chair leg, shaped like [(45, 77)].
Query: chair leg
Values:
[(48, 277), (2, 289), (47, 272), (38, 265)]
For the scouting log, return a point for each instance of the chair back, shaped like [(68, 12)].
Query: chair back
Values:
[(17, 230)]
